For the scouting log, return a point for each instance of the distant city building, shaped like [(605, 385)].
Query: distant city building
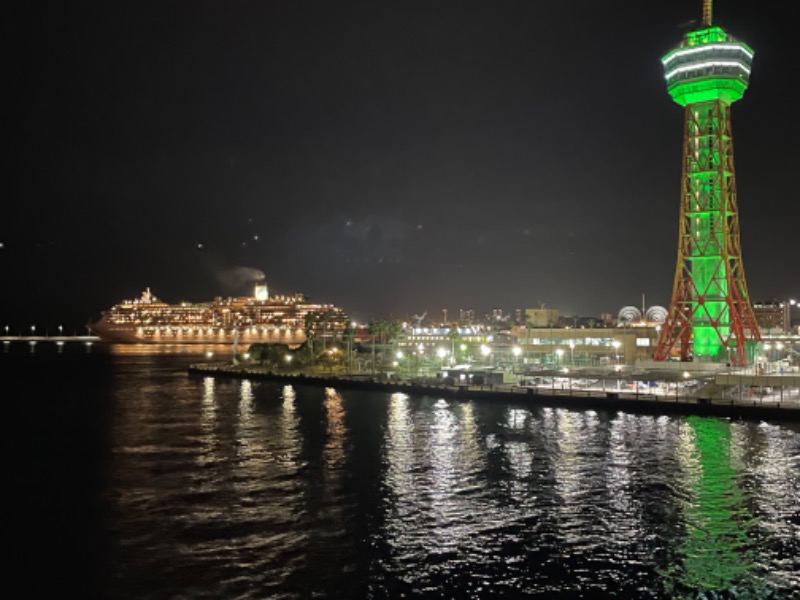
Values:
[(466, 316), (774, 316), (519, 316)]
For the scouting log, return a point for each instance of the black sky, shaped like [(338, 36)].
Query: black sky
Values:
[(389, 157)]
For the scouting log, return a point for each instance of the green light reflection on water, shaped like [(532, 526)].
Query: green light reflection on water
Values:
[(716, 556)]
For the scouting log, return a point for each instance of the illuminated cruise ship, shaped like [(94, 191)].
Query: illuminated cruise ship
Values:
[(260, 318)]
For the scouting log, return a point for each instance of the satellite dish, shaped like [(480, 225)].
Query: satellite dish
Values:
[(656, 314), (630, 314)]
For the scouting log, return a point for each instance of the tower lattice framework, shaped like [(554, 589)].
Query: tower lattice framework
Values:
[(710, 317)]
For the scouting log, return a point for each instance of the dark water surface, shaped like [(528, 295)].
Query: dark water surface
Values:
[(132, 479)]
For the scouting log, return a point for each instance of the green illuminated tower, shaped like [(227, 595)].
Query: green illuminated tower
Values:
[(710, 317)]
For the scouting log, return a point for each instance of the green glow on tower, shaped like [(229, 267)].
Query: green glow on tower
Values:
[(706, 74), (709, 65)]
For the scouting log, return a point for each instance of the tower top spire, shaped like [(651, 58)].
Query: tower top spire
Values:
[(708, 6)]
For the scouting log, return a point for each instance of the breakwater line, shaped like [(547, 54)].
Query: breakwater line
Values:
[(539, 396)]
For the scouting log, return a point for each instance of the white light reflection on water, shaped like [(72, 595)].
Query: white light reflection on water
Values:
[(285, 432), (399, 457), (569, 478), (334, 447), (625, 510), (518, 454), (329, 506), (208, 410), (248, 443), (433, 459), (773, 484)]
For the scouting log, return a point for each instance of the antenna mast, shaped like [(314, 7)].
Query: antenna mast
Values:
[(707, 10)]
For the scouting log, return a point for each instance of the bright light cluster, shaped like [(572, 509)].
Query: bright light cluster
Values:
[(704, 65), (701, 49)]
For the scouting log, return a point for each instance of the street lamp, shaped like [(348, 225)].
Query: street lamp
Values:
[(332, 354), (571, 353), (616, 344), (516, 351), (787, 314), (559, 353), (441, 353)]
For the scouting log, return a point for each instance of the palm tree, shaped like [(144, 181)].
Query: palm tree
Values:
[(455, 337), (347, 337), (385, 331), (375, 328), (310, 324)]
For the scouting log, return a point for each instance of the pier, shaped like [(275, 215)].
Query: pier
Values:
[(58, 339), (751, 397)]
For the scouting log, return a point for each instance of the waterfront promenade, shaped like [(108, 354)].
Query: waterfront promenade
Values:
[(611, 394)]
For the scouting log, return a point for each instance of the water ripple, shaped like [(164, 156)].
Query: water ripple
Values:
[(245, 490)]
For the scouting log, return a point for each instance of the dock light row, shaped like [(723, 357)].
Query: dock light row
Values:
[(33, 329)]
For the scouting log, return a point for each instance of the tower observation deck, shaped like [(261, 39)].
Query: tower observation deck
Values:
[(710, 317)]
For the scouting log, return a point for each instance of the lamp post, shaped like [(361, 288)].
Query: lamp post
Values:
[(441, 353), (685, 377), (571, 353), (787, 314), (485, 351), (616, 344), (559, 353), (516, 351)]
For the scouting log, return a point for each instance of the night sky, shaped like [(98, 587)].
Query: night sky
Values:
[(388, 157)]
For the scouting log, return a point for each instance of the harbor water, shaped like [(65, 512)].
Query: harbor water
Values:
[(131, 478)]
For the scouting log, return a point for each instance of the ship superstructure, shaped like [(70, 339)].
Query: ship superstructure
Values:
[(260, 318)]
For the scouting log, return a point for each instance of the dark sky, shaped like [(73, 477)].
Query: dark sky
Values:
[(389, 157)]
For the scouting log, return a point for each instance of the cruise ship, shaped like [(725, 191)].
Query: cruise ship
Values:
[(260, 318)]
